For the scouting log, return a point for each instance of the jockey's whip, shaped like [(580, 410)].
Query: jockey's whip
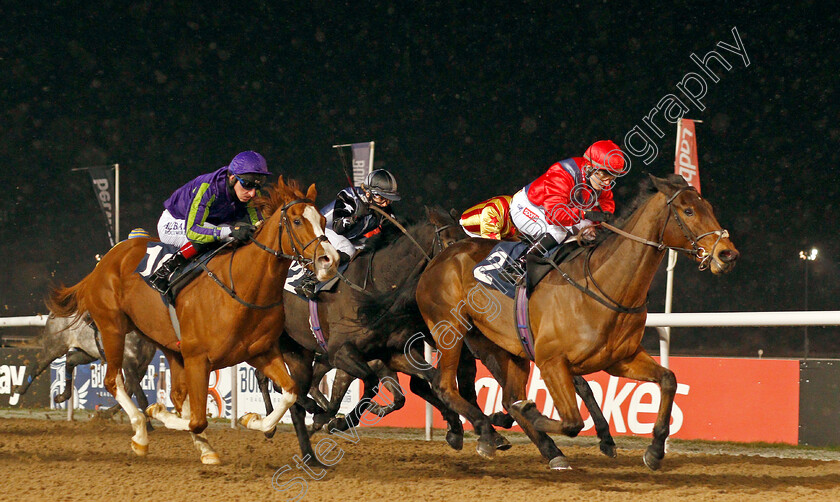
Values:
[(402, 229)]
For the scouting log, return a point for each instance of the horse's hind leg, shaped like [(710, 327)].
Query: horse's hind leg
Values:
[(272, 364), (512, 374), (642, 367), (602, 428), (390, 381), (49, 352), (113, 329)]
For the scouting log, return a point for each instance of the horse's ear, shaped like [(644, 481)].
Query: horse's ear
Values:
[(662, 185), (455, 214), (312, 193)]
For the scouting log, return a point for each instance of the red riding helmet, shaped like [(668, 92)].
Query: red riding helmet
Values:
[(605, 155)]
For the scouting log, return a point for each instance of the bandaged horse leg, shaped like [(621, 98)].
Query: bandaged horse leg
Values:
[(273, 366), (642, 367)]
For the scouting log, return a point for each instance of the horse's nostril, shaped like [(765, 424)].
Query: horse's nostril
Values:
[(728, 255)]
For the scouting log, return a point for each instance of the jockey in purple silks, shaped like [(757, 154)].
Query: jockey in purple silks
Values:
[(206, 210)]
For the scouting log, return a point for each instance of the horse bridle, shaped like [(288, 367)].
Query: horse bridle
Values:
[(297, 257), (696, 251), (297, 245)]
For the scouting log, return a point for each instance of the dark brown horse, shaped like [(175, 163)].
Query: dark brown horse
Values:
[(217, 329), (590, 320)]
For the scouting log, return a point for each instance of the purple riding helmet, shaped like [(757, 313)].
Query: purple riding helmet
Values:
[(248, 163)]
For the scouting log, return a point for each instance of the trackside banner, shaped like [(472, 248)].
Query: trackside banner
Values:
[(103, 178), (717, 399), (686, 163), (362, 161)]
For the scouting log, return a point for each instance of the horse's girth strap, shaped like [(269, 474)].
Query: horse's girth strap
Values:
[(523, 322)]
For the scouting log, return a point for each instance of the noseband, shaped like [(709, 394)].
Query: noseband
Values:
[(696, 250), (297, 245)]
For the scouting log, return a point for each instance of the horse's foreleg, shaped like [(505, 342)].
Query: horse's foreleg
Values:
[(75, 357), (318, 372), (340, 386), (391, 382), (272, 364), (262, 383), (602, 428), (642, 367), (351, 360), (420, 384), (560, 383)]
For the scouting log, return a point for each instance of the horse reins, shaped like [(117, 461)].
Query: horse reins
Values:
[(297, 246), (695, 251)]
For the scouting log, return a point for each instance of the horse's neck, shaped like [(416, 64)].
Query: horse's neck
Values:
[(399, 258), (625, 268), (251, 261)]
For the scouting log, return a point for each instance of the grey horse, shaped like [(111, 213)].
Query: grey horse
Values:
[(61, 336)]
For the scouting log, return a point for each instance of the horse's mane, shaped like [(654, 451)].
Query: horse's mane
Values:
[(379, 313), (276, 196), (646, 190)]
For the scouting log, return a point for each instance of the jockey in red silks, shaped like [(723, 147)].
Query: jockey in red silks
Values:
[(570, 198)]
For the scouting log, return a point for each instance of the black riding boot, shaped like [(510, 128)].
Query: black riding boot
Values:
[(307, 285), (160, 279), (516, 268)]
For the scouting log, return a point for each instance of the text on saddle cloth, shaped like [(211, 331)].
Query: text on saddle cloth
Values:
[(490, 270)]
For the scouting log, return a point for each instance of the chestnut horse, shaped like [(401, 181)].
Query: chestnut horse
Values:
[(587, 315), (220, 326)]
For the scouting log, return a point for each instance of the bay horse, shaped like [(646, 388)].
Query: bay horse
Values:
[(384, 265), (230, 315), (586, 315)]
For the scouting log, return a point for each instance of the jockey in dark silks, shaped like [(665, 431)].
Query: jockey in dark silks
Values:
[(351, 222), (205, 211)]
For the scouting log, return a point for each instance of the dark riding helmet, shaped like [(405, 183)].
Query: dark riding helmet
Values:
[(381, 182)]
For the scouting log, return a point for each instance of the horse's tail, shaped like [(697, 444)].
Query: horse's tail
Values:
[(65, 301), (397, 307)]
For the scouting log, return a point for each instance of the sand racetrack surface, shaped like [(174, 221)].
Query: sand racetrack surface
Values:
[(91, 460)]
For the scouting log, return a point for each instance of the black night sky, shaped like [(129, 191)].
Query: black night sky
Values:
[(465, 100)]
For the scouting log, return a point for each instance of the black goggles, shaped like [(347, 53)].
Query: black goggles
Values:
[(249, 184)]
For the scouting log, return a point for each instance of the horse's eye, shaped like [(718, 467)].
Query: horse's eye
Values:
[(297, 221), (688, 211)]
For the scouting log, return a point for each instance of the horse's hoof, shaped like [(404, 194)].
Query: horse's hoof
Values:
[(501, 442), (455, 440), (559, 463), (608, 449), (652, 460), (211, 458), (485, 449), (149, 427), (270, 434), (247, 420), (61, 398), (141, 450), (154, 409), (337, 424)]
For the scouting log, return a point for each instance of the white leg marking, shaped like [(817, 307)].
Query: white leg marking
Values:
[(254, 422), (171, 420), (140, 440)]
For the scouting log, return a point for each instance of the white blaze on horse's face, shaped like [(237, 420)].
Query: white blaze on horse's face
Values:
[(325, 266)]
